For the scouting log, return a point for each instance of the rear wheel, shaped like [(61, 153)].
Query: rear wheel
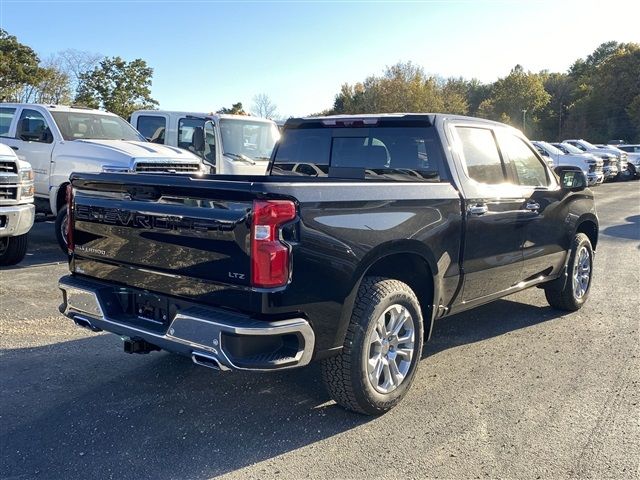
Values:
[(62, 226), (382, 348), (13, 249), (574, 293)]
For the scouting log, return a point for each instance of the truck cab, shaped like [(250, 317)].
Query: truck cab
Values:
[(228, 144)]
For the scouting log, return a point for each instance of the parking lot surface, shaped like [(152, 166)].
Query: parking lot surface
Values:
[(513, 389)]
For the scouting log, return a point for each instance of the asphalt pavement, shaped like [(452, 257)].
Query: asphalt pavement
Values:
[(513, 389)]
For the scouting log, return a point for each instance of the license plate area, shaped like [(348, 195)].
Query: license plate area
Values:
[(151, 308)]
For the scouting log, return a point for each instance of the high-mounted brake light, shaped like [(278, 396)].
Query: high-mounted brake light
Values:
[(269, 255), (70, 244)]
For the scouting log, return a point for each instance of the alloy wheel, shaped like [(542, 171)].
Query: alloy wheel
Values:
[(391, 349)]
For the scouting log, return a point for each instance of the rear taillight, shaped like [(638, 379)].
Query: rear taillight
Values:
[(269, 255), (70, 244)]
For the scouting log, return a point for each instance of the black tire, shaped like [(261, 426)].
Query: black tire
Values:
[(563, 295), (13, 249), (61, 220), (345, 375)]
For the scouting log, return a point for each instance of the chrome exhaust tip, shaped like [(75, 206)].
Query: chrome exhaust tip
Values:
[(208, 361), (84, 323)]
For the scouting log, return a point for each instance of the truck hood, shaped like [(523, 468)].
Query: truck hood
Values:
[(131, 149)]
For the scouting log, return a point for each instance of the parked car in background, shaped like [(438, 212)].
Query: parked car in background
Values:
[(591, 165), (406, 219), (633, 157), (621, 157), (228, 144), (629, 171), (616, 142), (57, 140), (17, 211), (609, 161)]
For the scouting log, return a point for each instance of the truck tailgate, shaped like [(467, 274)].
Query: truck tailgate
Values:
[(174, 227)]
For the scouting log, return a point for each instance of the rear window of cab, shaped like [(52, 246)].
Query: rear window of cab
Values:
[(377, 153)]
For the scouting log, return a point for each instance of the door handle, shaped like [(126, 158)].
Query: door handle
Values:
[(14, 147), (478, 209), (532, 206)]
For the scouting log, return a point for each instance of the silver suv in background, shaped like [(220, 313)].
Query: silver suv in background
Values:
[(17, 211)]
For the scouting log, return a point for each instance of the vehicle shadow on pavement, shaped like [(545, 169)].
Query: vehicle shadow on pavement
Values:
[(487, 321), (629, 231), (83, 409)]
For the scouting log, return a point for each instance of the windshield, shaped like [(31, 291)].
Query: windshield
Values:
[(550, 148), (94, 126), (243, 139), (571, 149), (589, 146)]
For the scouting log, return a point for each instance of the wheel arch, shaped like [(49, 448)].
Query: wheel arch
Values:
[(410, 262), (589, 226)]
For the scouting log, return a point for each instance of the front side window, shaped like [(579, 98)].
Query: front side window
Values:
[(380, 153), (32, 127), (94, 126), (526, 167), (6, 117), (480, 155), (152, 127)]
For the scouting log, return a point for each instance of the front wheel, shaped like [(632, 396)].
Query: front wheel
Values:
[(381, 351), (574, 293), (62, 226), (13, 249)]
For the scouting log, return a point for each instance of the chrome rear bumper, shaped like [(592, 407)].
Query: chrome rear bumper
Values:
[(198, 332)]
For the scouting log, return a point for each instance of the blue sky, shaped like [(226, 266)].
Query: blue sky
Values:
[(209, 54)]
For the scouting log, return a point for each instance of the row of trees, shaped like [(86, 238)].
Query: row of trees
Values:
[(598, 98)]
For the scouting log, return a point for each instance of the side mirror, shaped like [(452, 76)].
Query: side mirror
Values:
[(572, 179)]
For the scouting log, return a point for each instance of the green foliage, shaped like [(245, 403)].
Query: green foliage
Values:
[(598, 98), (514, 93), (403, 87), (18, 66), (117, 86), (236, 109), (605, 100)]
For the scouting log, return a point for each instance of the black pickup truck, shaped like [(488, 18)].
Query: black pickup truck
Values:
[(364, 232)]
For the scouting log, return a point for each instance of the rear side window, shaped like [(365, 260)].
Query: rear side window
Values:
[(480, 155), (526, 167), (6, 116), (152, 127), (380, 153)]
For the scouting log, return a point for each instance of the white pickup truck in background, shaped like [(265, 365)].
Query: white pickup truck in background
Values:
[(58, 140), (16, 206), (228, 144), (591, 165)]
